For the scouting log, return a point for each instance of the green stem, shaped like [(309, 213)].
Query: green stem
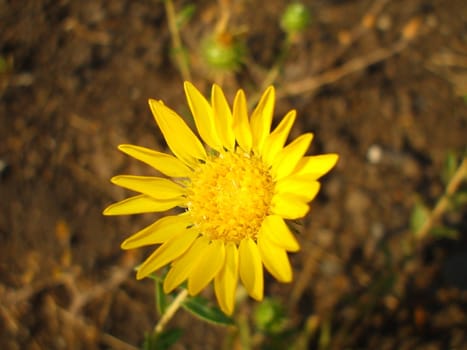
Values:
[(178, 49), (275, 70), (273, 73), (244, 332), (170, 311)]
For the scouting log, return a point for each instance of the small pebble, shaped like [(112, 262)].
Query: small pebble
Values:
[(374, 154)]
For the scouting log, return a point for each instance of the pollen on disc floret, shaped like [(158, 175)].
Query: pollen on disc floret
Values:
[(230, 195)]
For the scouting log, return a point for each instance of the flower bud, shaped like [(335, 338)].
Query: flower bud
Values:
[(222, 52), (295, 18)]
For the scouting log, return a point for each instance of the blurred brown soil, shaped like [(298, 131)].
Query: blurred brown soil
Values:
[(74, 82)]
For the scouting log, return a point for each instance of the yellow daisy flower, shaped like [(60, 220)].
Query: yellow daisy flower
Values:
[(235, 196)]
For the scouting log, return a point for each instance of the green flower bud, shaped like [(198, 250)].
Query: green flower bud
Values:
[(295, 18), (222, 52)]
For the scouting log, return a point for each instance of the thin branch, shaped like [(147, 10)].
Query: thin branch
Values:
[(118, 276), (177, 46), (170, 312), (443, 203), (352, 66), (107, 339)]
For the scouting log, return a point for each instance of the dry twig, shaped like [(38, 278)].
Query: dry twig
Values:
[(443, 203), (352, 66)]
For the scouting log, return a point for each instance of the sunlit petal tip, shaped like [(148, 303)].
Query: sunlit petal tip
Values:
[(288, 158), (203, 116), (223, 117), (158, 232), (225, 282), (113, 179), (261, 119), (140, 276), (334, 157), (164, 163), (125, 245), (276, 140), (122, 146), (241, 125), (154, 105), (316, 166), (142, 204), (107, 211), (268, 96), (155, 187)]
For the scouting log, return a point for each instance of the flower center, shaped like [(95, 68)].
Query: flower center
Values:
[(230, 196)]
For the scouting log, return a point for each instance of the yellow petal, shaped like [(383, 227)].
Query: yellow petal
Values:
[(142, 204), (290, 155), (240, 122), (165, 163), (316, 165), (275, 259), (276, 140), (155, 187), (299, 186), (223, 117), (203, 116), (251, 268), (289, 206), (180, 139), (182, 267), (158, 232), (261, 118), (207, 268), (278, 233), (225, 282), (167, 252)]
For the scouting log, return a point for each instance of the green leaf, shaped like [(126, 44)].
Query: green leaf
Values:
[(200, 307), (161, 341), (419, 216)]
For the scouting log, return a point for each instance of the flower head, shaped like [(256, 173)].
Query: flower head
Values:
[(235, 193)]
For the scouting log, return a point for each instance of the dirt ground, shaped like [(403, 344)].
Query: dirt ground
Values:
[(382, 83)]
